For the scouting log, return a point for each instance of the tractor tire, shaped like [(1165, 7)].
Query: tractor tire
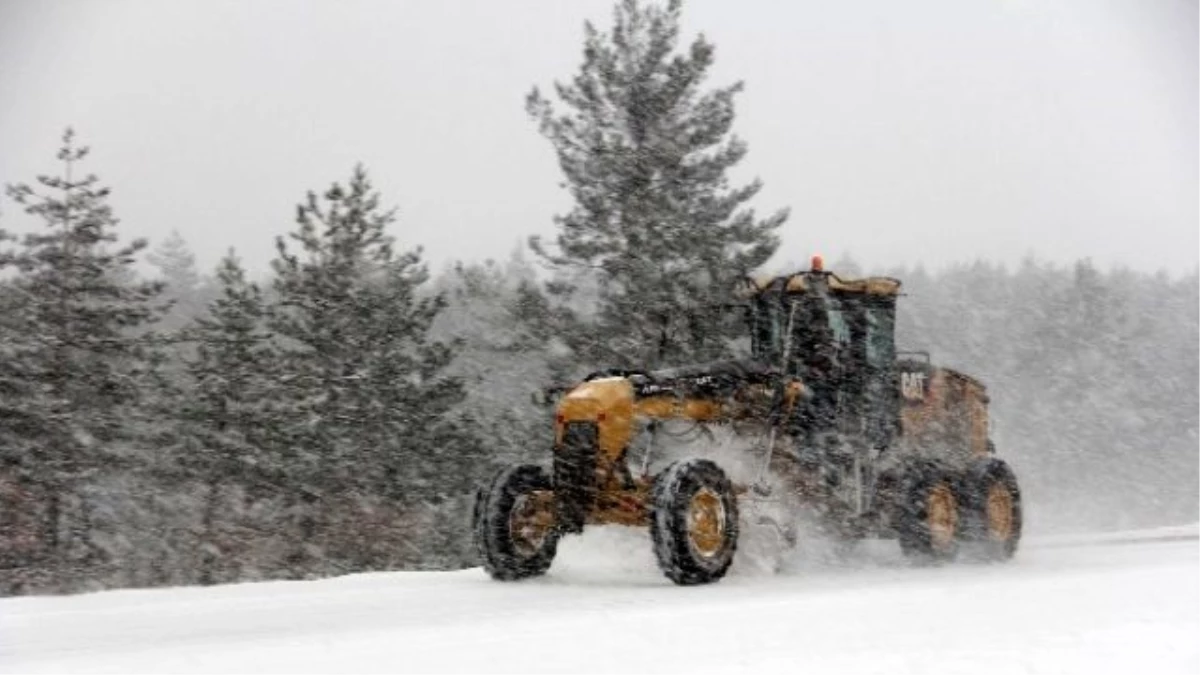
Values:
[(992, 510), (929, 515), (515, 535), (693, 522)]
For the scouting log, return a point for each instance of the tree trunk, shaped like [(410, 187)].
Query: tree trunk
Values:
[(209, 547)]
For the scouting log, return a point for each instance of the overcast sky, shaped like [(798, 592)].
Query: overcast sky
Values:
[(899, 132)]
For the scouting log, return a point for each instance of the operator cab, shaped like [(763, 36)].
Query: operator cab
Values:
[(838, 336)]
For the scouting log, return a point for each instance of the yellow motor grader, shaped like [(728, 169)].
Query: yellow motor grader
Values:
[(881, 443)]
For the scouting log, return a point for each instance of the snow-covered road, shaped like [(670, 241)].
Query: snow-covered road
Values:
[(1089, 604)]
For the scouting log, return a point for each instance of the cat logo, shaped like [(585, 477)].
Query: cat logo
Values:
[(912, 385)]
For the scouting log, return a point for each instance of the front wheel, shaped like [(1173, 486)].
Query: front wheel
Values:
[(694, 522), (514, 526)]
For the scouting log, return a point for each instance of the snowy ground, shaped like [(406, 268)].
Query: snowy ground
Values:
[(1121, 604)]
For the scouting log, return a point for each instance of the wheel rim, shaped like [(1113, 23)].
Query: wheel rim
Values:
[(706, 523), (943, 516), (999, 512), (529, 524)]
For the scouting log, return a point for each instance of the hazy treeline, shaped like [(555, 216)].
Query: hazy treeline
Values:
[(1093, 377)]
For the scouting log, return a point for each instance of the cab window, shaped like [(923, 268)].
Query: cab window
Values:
[(881, 344)]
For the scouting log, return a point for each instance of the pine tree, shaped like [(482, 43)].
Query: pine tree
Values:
[(645, 152), (227, 415), (176, 266), (369, 399), (80, 359)]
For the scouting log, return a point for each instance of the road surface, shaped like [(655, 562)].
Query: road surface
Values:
[(1127, 603)]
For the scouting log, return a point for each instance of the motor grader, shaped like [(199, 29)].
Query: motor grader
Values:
[(879, 443)]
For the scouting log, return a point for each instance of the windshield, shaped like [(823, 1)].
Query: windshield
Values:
[(768, 328)]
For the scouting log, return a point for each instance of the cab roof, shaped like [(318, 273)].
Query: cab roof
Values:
[(801, 282)]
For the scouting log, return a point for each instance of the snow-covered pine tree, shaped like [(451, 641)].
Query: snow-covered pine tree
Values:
[(369, 399), (645, 150), (83, 358), (176, 267), (24, 536), (227, 421)]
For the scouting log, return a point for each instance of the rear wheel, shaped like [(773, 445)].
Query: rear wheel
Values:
[(514, 526), (929, 521), (694, 522), (993, 509)]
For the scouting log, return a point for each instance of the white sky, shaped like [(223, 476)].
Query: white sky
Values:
[(899, 132)]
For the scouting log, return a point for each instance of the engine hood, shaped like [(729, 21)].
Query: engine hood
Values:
[(716, 378)]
